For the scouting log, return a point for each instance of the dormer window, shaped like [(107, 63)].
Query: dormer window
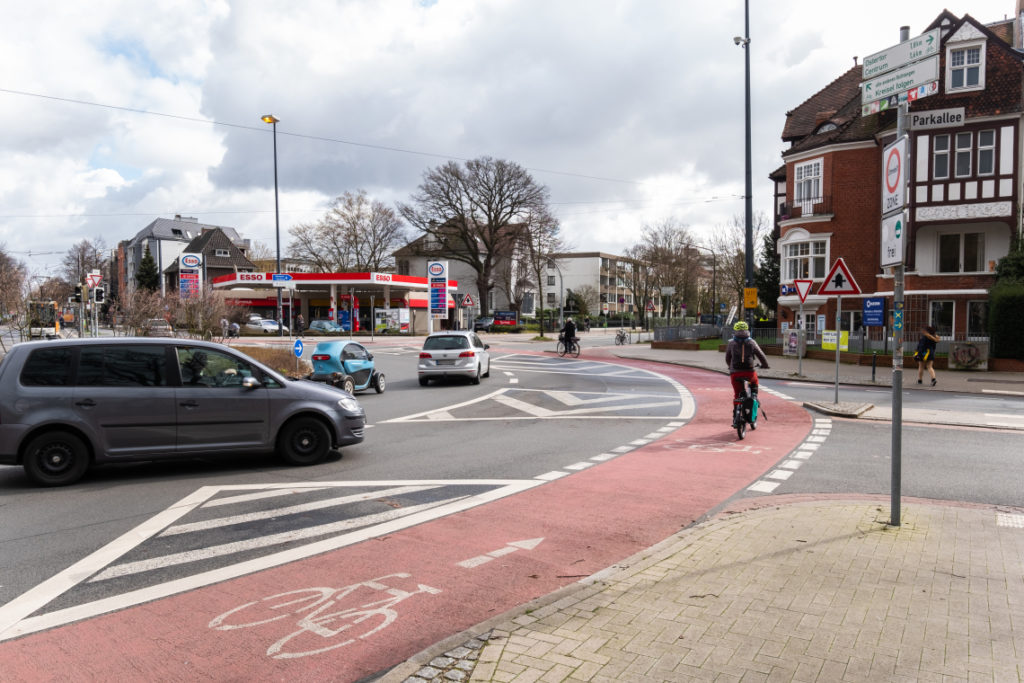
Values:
[(221, 253), (965, 67), (826, 127)]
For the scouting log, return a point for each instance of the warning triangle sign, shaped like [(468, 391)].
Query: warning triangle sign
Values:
[(839, 281), (803, 288), (468, 300)]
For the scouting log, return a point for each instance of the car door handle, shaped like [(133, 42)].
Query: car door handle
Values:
[(189, 404), (87, 403)]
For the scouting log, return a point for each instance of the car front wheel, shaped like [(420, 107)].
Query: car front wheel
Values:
[(304, 441), (55, 459), (379, 383)]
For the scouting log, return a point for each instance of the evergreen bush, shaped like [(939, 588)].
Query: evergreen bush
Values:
[(1005, 303)]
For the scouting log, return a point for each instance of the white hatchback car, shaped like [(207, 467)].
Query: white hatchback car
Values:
[(454, 353)]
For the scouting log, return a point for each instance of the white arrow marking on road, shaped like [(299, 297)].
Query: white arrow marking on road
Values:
[(511, 547)]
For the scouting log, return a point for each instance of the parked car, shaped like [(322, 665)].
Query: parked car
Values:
[(157, 327), (68, 404), (455, 353), (483, 324), (346, 365), (262, 325), (326, 327)]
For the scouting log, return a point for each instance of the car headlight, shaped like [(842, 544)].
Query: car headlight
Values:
[(349, 404)]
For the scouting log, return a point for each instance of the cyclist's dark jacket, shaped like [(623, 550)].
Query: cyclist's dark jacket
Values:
[(569, 331), (741, 352)]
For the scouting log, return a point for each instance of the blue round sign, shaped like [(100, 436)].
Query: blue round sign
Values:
[(298, 348)]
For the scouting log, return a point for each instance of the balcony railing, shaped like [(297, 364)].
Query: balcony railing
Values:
[(816, 206)]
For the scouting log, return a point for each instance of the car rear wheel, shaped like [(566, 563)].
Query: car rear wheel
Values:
[(476, 378), (379, 384), (424, 381), (304, 441), (488, 373), (55, 459)]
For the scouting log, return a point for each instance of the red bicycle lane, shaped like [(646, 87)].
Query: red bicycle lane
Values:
[(438, 578)]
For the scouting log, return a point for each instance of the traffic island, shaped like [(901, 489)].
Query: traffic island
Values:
[(841, 409)]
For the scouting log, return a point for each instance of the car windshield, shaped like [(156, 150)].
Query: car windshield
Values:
[(446, 342)]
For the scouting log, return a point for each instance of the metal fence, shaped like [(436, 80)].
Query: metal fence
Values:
[(686, 332)]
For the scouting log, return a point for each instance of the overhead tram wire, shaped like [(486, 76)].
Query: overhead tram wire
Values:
[(340, 141)]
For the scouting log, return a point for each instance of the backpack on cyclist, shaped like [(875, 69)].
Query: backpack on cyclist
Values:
[(746, 354)]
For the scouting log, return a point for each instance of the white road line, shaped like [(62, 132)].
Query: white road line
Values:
[(803, 455), (809, 446), (1003, 415), (791, 464), (763, 486), (245, 498), (1003, 392), (640, 442), (291, 510), (654, 435), (579, 465), (780, 474), (174, 559), (622, 449), (551, 476), (604, 456)]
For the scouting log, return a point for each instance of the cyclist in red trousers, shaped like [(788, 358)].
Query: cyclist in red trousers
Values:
[(739, 356)]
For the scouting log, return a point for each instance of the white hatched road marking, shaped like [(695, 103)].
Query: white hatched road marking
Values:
[(822, 429), (14, 615)]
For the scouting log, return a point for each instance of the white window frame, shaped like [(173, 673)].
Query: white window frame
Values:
[(955, 64), (963, 151), (222, 253), (937, 153), (789, 259), (808, 179), (962, 244), (990, 149)]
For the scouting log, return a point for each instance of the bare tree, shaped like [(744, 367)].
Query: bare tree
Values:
[(262, 256), (728, 244), (642, 279), (667, 248), (355, 234), (134, 308), (539, 242), (13, 274), (469, 213), (82, 258), (199, 315)]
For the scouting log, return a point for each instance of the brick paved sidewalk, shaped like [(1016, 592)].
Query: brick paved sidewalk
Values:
[(809, 591)]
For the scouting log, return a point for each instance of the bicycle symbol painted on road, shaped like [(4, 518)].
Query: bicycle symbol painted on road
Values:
[(708, 446), (318, 623)]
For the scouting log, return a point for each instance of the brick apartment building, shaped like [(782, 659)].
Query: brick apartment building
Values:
[(964, 194)]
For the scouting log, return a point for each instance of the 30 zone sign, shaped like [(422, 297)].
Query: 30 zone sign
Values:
[(893, 174)]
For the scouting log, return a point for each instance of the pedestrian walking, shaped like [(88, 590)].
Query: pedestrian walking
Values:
[(925, 353), (299, 325)]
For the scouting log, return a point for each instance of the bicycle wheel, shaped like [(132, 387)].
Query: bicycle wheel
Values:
[(618, 339), (575, 350), (271, 608), (560, 349), (741, 429)]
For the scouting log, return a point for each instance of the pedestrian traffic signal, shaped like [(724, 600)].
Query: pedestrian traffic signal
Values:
[(97, 295), (78, 294)]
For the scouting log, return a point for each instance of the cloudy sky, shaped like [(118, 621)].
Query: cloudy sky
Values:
[(115, 113)]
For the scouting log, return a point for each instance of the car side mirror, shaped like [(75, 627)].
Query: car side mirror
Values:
[(251, 382), (369, 356), (486, 346)]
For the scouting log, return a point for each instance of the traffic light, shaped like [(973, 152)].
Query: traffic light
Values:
[(78, 294), (97, 295)]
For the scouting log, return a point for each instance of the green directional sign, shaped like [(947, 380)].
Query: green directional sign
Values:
[(893, 229), (900, 81)]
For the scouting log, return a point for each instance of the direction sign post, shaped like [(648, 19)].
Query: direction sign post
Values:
[(839, 281)]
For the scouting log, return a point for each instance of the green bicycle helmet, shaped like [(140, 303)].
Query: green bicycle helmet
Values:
[(741, 326)]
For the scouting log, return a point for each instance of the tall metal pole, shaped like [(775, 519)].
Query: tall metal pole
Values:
[(897, 333), (749, 247), (273, 121)]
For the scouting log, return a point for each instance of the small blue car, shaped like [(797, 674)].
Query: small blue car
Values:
[(347, 365)]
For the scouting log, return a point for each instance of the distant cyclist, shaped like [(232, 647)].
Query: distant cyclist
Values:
[(739, 356), (569, 334)]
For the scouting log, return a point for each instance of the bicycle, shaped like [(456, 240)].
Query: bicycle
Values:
[(318, 622), (745, 411), (622, 337), (573, 349)]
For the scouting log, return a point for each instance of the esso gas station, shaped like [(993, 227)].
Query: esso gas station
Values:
[(390, 302)]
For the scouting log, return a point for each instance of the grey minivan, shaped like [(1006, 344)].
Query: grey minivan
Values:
[(70, 403)]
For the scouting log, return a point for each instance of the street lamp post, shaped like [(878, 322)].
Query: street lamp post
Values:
[(272, 120), (744, 42), (561, 297)]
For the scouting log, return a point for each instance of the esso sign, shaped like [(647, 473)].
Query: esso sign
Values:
[(191, 261), (250, 277), (436, 269), (382, 277)]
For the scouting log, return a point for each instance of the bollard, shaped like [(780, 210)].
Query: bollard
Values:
[(874, 363)]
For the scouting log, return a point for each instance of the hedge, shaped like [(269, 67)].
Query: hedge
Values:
[(1004, 321)]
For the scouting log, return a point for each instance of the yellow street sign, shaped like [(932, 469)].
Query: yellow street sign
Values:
[(750, 297)]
